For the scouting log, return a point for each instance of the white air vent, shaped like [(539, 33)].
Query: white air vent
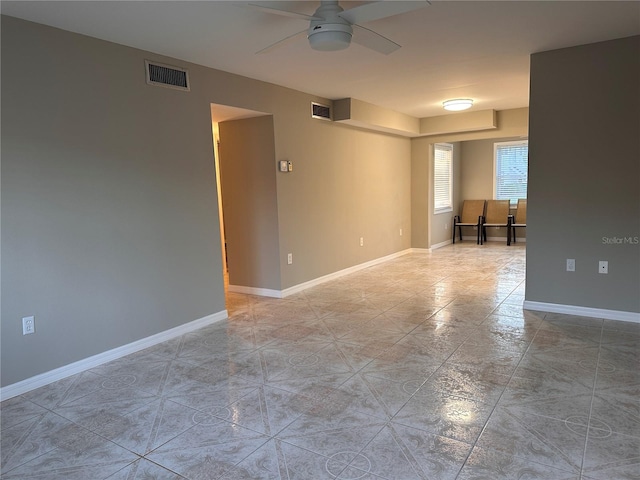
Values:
[(167, 76), (320, 111)]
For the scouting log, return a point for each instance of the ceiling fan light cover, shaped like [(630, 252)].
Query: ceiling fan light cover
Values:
[(457, 104), (329, 37)]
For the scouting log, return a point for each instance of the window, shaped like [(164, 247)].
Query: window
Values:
[(442, 165), (511, 161)]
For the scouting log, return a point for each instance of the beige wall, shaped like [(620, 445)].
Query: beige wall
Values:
[(427, 231), (420, 195), (477, 170), (440, 224), (584, 176), (470, 121), (351, 111), (346, 184), (109, 211), (428, 228), (511, 123), (249, 199)]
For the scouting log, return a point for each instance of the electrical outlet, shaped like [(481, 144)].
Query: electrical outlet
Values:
[(362, 241), (603, 266), (289, 258), (28, 325), (571, 264)]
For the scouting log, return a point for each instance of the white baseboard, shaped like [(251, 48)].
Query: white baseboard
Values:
[(421, 250), (440, 245), (583, 311), (341, 273), (263, 292), (494, 239), (91, 362)]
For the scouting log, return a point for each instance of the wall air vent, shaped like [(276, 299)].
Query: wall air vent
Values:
[(320, 111), (167, 76)]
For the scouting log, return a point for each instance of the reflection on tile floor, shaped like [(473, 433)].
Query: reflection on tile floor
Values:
[(425, 367)]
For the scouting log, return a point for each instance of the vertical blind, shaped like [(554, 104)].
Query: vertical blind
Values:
[(512, 160), (442, 163)]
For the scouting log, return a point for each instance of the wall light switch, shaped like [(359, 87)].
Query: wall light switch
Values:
[(603, 266)]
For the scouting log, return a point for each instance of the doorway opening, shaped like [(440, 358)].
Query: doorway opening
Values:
[(242, 169)]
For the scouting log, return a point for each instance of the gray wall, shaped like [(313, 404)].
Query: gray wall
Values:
[(584, 175), (249, 199), (109, 218)]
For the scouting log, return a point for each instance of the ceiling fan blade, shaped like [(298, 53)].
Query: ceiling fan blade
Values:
[(281, 43), (376, 10), (374, 41), (284, 13)]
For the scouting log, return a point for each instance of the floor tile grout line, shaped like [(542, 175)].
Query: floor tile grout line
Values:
[(424, 382), (155, 463), (542, 439), (24, 438), (358, 369), (495, 406), (382, 427), (407, 453), (593, 393)]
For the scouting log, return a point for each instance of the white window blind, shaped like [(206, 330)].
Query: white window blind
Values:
[(442, 185), (511, 163)]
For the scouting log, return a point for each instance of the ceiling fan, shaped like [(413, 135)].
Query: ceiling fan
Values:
[(332, 28)]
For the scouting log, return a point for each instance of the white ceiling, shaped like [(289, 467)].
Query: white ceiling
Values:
[(451, 49)]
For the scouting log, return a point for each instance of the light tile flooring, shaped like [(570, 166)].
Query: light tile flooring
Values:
[(425, 367)]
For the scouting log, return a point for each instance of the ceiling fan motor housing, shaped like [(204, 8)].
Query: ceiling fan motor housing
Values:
[(332, 32), (330, 36)]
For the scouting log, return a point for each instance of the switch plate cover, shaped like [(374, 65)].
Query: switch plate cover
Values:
[(28, 325)]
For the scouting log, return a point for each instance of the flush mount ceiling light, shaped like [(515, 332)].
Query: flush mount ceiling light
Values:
[(457, 104)]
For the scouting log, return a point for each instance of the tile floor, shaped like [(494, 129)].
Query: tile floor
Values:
[(425, 367)]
